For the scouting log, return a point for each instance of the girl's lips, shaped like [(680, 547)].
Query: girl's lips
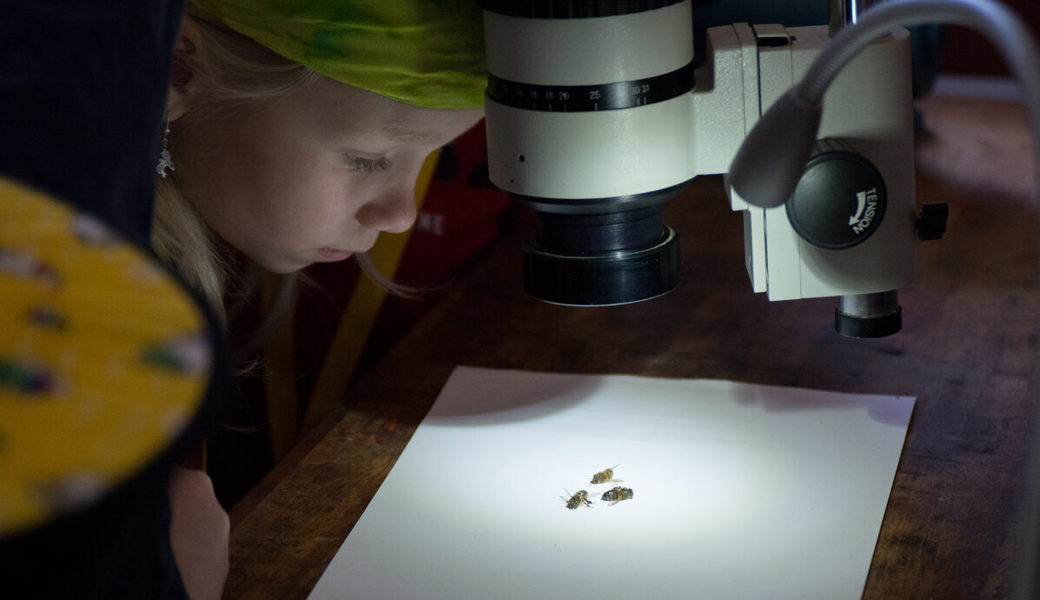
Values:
[(333, 255)]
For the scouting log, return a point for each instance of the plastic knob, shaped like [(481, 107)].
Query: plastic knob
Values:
[(840, 199)]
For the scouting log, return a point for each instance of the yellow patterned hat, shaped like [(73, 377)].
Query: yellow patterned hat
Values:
[(422, 52)]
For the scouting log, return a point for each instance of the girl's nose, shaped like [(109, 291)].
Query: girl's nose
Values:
[(393, 212)]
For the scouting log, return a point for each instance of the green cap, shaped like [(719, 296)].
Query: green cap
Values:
[(422, 52)]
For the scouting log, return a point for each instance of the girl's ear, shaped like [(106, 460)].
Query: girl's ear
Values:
[(181, 70)]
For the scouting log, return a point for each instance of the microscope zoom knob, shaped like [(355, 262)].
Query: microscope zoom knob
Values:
[(840, 199)]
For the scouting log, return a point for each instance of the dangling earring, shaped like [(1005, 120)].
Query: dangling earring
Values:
[(165, 160)]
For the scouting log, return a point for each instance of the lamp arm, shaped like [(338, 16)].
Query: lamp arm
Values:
[(1018, 48), (766, 178), (1002, 27)]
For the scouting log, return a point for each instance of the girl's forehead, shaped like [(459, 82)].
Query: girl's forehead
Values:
[(361, 113), (349, 108)]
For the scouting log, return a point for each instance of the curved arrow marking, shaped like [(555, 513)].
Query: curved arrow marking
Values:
[(861, 203)]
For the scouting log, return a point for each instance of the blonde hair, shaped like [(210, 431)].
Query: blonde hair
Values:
[(226, 68)]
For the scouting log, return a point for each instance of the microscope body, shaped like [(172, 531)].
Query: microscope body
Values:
[(584, 120), (867, 111)]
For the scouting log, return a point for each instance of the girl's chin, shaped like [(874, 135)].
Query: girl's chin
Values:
[(284, 266)]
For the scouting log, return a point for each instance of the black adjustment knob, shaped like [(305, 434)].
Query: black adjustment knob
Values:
[(931, 225), (840, 199)]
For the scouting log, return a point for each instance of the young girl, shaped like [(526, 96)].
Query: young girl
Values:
[(295, 136), (292, 162)]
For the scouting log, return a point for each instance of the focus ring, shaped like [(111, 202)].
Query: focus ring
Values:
[(587, 98)]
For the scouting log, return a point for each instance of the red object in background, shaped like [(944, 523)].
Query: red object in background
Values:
[(459, 217), (968, 52)]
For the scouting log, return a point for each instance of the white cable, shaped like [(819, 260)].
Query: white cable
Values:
[(1000, 25), (1015, 42)]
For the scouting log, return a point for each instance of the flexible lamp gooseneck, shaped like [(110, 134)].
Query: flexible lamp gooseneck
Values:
[(766, 178)]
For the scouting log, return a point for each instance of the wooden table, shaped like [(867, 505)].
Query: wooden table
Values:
[(966, 352)]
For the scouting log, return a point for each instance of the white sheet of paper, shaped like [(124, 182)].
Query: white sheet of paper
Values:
[(740, 491)]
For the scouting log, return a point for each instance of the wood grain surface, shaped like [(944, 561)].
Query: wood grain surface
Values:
[(966, 352)]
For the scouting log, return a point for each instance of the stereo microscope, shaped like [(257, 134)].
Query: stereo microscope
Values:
[(596, 117)]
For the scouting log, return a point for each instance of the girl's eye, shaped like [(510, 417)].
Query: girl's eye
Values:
[(362, 163)]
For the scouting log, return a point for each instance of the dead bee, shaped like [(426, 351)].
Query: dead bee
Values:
[(579, 498), (617, 494), (605, 476)]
